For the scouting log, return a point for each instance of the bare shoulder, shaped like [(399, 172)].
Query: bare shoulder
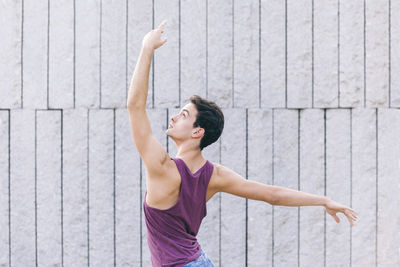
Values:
[(217, 174)]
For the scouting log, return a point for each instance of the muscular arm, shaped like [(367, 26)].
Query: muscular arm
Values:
[(150, 150), (231, 182), (137, 96)]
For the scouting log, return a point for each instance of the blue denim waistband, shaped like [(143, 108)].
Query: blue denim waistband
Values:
[(202, 261)]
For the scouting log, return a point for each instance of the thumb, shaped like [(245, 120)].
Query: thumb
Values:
[(165, 40)]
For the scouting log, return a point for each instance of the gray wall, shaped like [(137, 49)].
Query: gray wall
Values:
[(311, 95)]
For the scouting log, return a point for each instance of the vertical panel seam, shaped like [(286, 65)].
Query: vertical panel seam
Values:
[(325, 110), (298, 185), (100, 38), (74, 55), (36, 253), (9, 187), (87, 184), (114, 193), (312, 54), (390, 47), (48, 51), (376, 183), (233, 53), (179, 57), (22, 60), (338, 54), (206, 48), (351, 179), (273, 182), (247, 203), (62, 187), (365, 85), (154, 57), (259, 53)]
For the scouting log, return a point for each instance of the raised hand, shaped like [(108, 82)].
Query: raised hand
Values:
[(153, 39)]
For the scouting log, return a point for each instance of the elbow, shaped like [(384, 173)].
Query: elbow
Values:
[(274, 197), (130, 105)]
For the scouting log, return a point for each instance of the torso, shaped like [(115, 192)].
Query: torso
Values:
[(163, 191)]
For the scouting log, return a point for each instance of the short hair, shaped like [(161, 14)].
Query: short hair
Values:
[(210, 118)]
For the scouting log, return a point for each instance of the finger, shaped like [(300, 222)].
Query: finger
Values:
[(161, 27), (165, 40), (336, 218)]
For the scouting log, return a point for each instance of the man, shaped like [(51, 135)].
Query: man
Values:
[(178, 188)]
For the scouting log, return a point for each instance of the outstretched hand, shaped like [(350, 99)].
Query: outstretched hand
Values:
[(333, 207), (153, 38)]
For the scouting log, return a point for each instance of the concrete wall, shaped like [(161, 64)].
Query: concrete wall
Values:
[(311, 95)]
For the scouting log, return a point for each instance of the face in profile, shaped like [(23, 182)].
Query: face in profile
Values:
[(181, 125)]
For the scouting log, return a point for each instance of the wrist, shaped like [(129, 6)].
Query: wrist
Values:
[(147, 49), (325, 201)]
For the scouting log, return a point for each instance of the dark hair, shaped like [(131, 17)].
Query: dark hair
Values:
[(210, 118)]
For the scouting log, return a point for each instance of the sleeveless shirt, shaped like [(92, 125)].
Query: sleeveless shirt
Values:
[(171, 233)]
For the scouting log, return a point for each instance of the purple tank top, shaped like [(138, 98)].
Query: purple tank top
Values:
[(171, 233)]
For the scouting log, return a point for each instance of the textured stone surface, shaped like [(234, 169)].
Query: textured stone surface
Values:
[(285, 173), (363, 180), (219, 50), (325, 54), (139, 24), (75, 186), (35, 49), (101, 187), (193, 70), (394, 54), (246, 54), (166, 71), (10, 54), (312, 180), (87, 58), (338, 185), (233, 208), (22, 186), (113, 54), (78, 57), (259, 142), (273, 54), (127, 193), (4, 188), (61, 54), (48, 187), (351, 54), (299, 54), (377, 53), (388, 199)]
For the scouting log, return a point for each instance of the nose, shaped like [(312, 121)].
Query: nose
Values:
[(173, 118)]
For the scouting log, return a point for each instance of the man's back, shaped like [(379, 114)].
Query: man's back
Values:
[(172, 230), (163, 189)]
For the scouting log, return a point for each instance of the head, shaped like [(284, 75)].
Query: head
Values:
[(199, 122)]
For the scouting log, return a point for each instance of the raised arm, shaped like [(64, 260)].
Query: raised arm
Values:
[(229, 181), (151, 151)]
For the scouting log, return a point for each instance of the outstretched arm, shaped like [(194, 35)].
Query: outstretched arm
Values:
[(231, 182), (150, 150)]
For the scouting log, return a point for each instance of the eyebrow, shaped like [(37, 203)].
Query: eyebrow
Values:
[(186, 111)]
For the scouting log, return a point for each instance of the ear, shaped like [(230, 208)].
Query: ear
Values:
[(198, 132)]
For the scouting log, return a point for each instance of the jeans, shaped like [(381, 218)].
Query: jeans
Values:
[(202, 261)]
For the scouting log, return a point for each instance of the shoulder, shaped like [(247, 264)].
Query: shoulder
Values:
[(218, 177)]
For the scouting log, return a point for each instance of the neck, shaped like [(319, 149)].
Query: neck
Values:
[(189, 154)]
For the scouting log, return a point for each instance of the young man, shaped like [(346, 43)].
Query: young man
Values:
[(178, 188)]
